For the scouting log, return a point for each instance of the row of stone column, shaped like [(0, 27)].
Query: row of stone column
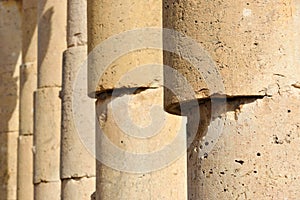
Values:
[(244, 145), (59, 167)]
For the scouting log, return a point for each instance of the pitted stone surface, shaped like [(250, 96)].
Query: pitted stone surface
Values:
[(252, 44), (256, 156)]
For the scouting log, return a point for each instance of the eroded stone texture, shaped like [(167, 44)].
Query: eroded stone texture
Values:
[(78, 189), (137, 124), (107, 19), (47, 135), (252, 44), (25, 168), (77, 161), (257, 156)]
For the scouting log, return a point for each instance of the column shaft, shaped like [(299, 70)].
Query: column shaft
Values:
[(10, 60), (28, 84), (51, 44)]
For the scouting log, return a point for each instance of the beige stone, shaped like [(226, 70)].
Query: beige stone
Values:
[(29, 31), (10, 59), (8, 165), (257, 156), (25, 168), (76, 160), (252, 44), (78, 189), (107, 19), (10, 54), (140, 149), (47, 191), (77, 20), (51, 41), (28, 80), (47, 135)]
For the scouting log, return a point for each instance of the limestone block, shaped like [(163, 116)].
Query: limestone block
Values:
[(252, 44), (256, 156), (8, 165), (47, 135), (47, 191), (25, 168), (76, 160), (77, 23), (29, 31), (107, 19), (78, 189), (28, 81), (51, 41), (141, 150)]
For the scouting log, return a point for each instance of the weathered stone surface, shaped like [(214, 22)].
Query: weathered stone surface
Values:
[(135, 125), (47, 191), (78, 189), (10, 59), (257, 154), (25, 168), (51, 41), (109, 18), (28, 80), (252, 44), (8, 165), (77, 19), (76, 160), (47, 135)]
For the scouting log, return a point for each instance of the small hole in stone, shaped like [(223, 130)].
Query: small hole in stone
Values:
[(122, 141), (206, 143), (196, 21), (255, 43), (255, 171), (258, 154), (289, 111)]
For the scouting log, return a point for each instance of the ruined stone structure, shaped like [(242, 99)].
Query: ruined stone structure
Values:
[(149, 99)]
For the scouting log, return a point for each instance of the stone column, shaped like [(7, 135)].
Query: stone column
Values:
[(245, 149), (78, 173), (47, 121), (10, 60), (128, 125), (28, 84)]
